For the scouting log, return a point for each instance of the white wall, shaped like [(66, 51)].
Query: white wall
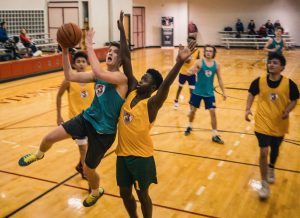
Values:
[(213, 15), (154, 10)]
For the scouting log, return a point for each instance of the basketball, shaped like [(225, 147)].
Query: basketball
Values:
[(68, 35)]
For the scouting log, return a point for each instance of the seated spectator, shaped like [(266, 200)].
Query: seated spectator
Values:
[(239, 26), (277, 24), (270, 28), (262, 32), (3, 33), (22, 50), (192, 30), (25, 39), (8, 43), (251, 28)]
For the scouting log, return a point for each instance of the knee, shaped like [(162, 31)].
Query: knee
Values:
[(50, 139), (125, 193), (264, 153), (143, 197)]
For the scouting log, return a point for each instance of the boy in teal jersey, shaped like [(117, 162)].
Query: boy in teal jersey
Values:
[(98, 123), (206, 69), (276, 44)]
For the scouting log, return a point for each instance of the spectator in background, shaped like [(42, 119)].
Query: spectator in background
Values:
[(251, 28), (262, 32), (3, 33), (239, 26), (270, 28), (277, 24), (27, 42), (9, 44), (192, 30)]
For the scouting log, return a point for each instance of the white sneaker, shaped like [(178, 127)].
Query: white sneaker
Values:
[(37, 53), (176, 105), (271, 175), (264, 192)]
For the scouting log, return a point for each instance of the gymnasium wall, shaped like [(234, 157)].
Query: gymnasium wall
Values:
[(211, 16), (154, 10)]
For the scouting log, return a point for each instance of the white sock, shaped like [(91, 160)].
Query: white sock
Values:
[(214, 132), (40, 154), (190, 124), (95, 192)]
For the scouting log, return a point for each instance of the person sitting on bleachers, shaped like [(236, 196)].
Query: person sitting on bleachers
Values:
[(262, 32), (277, 24), (251, 28), (270, 28), (27, 42), (8, 43)]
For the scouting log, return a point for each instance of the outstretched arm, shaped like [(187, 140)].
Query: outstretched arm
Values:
[(155, 102), (70, 75), (125, 55), (101, 74)]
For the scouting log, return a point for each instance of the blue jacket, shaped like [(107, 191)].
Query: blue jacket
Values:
[(3, 35)]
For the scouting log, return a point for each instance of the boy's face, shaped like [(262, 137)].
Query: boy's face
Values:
[(274, 66), (208, 52), (146, 84), (278, 32), (112, 57), (80, 64)]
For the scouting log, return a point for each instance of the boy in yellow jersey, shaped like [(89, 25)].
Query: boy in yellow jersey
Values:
[(135, 162), (80, 97), (184, 75), (277, 97)]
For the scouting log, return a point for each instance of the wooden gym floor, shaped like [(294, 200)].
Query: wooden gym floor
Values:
[(197, 178)]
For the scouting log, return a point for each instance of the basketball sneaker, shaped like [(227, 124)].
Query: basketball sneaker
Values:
[(91, 199), (28, 159), (217, 139), (188, 131), (264, 192), (176, 104), (79, 169), (271, 175)]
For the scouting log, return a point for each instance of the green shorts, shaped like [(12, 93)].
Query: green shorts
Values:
[(137, 171)]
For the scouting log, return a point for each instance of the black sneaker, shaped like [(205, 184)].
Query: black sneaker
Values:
[(217, 139), (188, 131)]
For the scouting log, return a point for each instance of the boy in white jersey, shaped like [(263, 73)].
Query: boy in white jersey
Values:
[(277, 97), (80, 97), (206, 69)]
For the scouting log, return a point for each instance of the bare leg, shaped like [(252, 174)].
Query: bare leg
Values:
[(263, 162), (213, 118), (93, 179), (146, 203), (178, 93)]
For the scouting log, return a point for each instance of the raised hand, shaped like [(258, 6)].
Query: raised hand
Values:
[(120, 21), (89, 37), (185, 52)]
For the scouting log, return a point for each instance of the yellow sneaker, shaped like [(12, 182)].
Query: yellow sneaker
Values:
[(91, 199), (28, 159)]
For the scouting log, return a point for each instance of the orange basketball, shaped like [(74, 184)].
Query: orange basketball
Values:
[(68, 35)]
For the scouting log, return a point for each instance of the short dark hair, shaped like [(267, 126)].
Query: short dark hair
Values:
[(80, 54), (2, 23), (279, 28), (280, 57), (114, 43), (157, 77), (211, 46)]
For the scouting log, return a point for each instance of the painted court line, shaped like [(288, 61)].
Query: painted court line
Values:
[(8, 142), (221, 163), (229, 152), (200, 190), (17, 145), (188, 206), (32, 146), (236, 143), (248, 128), (242, 135), (211, 176)]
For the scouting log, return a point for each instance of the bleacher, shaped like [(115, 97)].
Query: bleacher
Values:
[(44, 42), (229, 39)]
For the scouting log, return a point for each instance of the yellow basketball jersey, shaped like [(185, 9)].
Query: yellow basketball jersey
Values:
[(80, 96), (134, 129), (271, 104), (188, 64)]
